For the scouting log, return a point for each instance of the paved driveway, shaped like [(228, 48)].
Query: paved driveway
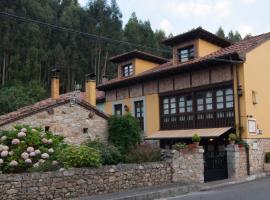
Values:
[(255, 190)]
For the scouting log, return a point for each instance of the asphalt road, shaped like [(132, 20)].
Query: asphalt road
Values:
[(255, 190)]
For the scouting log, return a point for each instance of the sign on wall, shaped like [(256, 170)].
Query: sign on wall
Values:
[(252, 126)]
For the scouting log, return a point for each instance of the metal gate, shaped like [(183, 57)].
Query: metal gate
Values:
[(215, 166)]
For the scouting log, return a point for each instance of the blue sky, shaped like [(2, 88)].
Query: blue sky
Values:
[(177, 16)]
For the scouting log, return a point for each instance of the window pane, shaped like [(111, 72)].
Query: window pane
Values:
[(229, 98), (229, 105), (229, 91), (166, 111), (189, 109), (181, 110), (166, 100), (219, 99), (220, 105), (209, 106), (200, 107), (219, 93)]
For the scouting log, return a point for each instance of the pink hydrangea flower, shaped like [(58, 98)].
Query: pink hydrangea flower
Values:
[(50, 150), (36, 165), (5, 148), (4, 154), (3, 138), (37, 152), (1, 147), (44, 141), (13, 163), (10, 153), (45, 156), (21, 134), (30, 149), (24, 155), (32, 154), (28, 161), (55, 162), (15, 141), (24, 130), (41, 161)]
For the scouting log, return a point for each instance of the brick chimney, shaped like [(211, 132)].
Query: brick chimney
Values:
[(55, 84), (90, 89)]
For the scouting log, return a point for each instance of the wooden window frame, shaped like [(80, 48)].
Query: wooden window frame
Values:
[(141, 114), (117, 107), (198, 118), (130, 70), (190, 53)]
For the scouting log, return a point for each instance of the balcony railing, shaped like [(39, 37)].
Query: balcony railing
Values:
[(209, 119)]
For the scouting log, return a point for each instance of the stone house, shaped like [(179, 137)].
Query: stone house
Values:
[(210, 87), (73, 115)]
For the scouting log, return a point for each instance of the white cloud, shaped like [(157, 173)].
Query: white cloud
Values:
[(245, 29), (248, 1), (201, 8), (165, 25)]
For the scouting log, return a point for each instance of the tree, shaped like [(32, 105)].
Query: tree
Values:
[(220, 33)]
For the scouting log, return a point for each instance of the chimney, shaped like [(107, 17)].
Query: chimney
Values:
[(90, 89), (55, 84), (104, 79)]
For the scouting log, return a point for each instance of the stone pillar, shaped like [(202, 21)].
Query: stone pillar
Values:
[(188, 165), (232, 160), (236, 161)]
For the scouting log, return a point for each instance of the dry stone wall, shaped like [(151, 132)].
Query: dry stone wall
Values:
[(76, 183)]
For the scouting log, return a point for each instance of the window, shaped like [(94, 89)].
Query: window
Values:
[(85, 130), (169, 106), (198, 109), (118, 109), (128, 70), (220, 99), (186, 53), (139, 112)]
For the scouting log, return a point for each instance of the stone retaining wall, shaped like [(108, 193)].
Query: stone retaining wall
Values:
[(236, 161), (83, 182), (188, 166)]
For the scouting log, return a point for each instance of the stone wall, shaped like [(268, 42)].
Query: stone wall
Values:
[(188, 166), (73, 122), (83, 182), (257, 150), (236, 161)]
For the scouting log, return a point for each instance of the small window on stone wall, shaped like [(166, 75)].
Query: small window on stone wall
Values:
[(47, 128), (85, 130)]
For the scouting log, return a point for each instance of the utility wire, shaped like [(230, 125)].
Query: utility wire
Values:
[(89, 35)]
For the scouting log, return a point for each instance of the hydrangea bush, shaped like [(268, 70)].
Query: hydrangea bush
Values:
[(28, 149)]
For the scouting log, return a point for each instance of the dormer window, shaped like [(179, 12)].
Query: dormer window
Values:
[(127, 70), (186, 53)]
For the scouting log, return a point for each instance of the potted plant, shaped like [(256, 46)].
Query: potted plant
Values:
[(196, 139), (232, 138), (266, 165)]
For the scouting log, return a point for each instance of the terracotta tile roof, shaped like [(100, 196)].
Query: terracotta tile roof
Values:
[(239, 49), (50, 103)]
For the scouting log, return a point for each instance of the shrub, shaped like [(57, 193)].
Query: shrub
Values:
[(124, 132), (196, 138), (179, 146), (25, 148), (110, 155), (79, 156), (232, 137), (267, 157), (143, 153)]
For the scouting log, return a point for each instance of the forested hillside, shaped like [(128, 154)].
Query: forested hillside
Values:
[(28, 51)]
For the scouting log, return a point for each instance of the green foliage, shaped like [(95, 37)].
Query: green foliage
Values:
[(232, 137), (124, 132), (110, 155), (267, 157), (196, 138), (179, 146), (17, 96), (79, 156), (40, 149), (143, 153)]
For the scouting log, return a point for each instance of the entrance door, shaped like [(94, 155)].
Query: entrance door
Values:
[(139, 112), (215, 166)]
